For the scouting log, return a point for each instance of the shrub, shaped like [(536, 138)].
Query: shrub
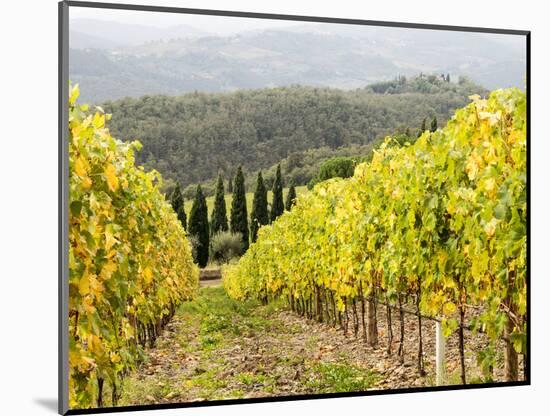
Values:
[(338, 167), (225, 245)]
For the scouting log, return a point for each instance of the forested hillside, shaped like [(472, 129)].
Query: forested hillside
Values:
[(192, 137)]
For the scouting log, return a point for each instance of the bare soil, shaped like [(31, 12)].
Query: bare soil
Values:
[(217, 348)]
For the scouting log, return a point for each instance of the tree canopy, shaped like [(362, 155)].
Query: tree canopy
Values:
[(239, 214), (198, 227), (218, 221), (256, 129), (277, 204), (260, 214)]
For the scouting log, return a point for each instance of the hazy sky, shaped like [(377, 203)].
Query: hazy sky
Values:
[(223, 26), (213, 24)]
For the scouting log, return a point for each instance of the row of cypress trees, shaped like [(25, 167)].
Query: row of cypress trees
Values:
[(423, 127), (199, 227)]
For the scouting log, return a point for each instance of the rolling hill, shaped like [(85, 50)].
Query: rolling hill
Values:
[(183, 59), (193, 137)]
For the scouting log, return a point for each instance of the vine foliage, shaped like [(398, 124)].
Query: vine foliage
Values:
[(130, 262), (441, 222)]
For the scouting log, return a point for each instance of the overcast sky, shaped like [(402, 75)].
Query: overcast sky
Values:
[(213, 24), (223, 26)]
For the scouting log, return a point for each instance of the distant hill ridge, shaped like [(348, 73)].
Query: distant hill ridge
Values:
[(117, 60)]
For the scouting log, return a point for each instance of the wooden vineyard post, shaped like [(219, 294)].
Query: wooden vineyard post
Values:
[(439, 355)]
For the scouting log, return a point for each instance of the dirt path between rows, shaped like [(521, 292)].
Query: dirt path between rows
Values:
[(217, 348), (210, 282)]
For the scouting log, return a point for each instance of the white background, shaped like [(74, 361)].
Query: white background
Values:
[(28, 205)]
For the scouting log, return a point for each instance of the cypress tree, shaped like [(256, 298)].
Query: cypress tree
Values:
[(260, 215), (198, 227), (239, 214), (219, 214), (433, 126), (422, 127), (290, 197), (277, 206), (178, 204)]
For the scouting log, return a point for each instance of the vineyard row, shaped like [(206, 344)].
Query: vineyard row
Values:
[(440, 223)]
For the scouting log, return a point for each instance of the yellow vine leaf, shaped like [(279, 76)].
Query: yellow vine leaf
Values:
[(80, 167), (110, 175), (84, 285), (148, 275), (110, 240), (74, 93), (490, 227), (98, 121), (472, 167), (87, 182), (449, 308)]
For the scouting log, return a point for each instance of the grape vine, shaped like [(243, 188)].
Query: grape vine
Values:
[(130, 263), (440, 223)]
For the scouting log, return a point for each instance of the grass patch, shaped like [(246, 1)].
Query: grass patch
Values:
[(209, 342), (235, 394), (208, 382), (136, 391), (221, 315), (455, 379), (216, 307), (251, 379), (312, 342), (337, 378)]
